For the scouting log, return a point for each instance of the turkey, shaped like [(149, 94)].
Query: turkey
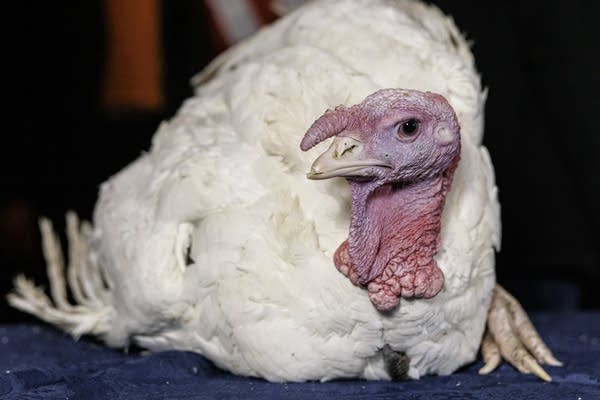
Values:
[(215, 242)]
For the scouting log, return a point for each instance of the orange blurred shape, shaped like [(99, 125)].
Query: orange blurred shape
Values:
[(132, 77)]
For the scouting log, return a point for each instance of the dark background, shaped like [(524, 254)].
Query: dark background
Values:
[(540, 61)]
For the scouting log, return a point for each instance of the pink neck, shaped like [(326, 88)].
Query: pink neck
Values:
[(390, 222)]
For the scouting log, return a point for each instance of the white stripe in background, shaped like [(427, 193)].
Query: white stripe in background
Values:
[(236, 17), (282, 7)]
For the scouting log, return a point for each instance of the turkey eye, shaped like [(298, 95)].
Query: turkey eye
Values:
[(409, 128)]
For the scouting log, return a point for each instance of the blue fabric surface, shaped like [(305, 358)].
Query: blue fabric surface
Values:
[(38, 362)]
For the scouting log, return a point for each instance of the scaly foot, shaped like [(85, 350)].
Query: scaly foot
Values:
[(511, 335)]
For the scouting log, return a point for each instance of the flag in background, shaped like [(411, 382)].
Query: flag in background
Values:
[(237, 19), (135, 62)]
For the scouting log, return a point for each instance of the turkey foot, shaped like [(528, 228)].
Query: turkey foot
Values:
[(511, 335)]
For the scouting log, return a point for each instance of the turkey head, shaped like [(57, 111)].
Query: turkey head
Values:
[(398, 149)]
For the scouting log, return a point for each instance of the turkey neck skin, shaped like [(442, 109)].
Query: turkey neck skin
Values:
[(394, 236)]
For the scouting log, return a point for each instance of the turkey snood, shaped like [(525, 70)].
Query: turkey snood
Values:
[(398, 149)]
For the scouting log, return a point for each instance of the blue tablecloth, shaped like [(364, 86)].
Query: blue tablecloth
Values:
[(38, 362)]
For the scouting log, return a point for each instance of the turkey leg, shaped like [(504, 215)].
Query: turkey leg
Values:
[(511, 335)]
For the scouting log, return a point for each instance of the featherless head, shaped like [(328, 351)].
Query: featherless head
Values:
[(394, 135), (398, 149)]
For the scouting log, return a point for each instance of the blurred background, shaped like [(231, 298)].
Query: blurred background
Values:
[(85, 85)]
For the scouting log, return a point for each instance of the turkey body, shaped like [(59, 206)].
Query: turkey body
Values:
[(214, 241)]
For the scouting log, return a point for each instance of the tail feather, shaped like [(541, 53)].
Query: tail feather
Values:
[(92, 312)]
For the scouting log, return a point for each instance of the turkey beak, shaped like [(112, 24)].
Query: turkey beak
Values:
[(345, 158)]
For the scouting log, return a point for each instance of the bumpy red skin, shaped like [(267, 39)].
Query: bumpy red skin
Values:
[(408, 223)]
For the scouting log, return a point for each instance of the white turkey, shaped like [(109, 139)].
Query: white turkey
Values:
[(215, 242)]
